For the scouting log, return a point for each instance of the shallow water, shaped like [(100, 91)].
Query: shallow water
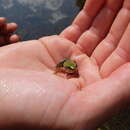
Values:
[(37, 18)]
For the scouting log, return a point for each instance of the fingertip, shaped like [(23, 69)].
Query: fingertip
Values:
[(11, 27), (2, 21), (14, 38)]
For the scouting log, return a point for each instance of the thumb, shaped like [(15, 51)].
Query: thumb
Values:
[(88, 70)]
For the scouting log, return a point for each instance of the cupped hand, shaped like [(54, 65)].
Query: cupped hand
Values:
[(32, 94)]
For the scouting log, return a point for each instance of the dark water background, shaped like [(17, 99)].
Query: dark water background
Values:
[(37, 18)]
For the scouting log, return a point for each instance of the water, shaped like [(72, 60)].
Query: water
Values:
[(37, 18)]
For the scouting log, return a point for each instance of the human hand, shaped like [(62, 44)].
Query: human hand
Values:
[(6, 32), (36, 96), (33, 95), (101, 37)]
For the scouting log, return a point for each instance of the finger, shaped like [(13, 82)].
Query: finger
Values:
[(8, 28), (120, 56), (2, 21), (14, 38), (100, 27), (83, 20), (88, 70), (11, 27), (5, 40), (107, 46)]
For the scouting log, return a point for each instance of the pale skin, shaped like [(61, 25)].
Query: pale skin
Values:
[(31, 93)]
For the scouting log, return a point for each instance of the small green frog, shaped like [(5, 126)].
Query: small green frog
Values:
[(68, 67)]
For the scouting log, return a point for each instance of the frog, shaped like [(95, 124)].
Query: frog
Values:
[(68, 67)]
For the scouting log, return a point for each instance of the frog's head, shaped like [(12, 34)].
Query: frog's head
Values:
[(70, 64), (68, 67)]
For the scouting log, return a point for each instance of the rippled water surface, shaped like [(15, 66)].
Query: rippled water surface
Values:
[(38, 18)]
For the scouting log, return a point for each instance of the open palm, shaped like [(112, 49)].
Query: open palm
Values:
[(32, 94)]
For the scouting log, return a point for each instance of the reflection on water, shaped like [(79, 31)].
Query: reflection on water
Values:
[(38, 18)]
